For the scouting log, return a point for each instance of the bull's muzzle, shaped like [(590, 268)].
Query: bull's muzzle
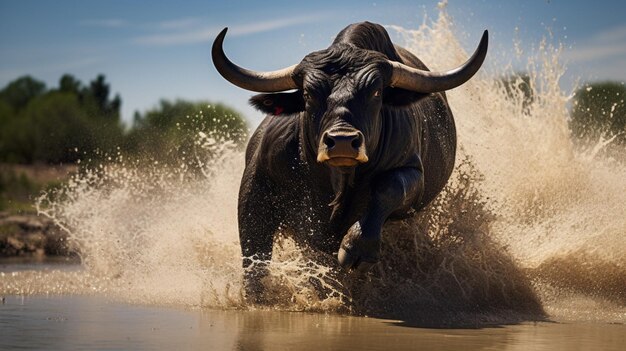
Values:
[(342, 147)]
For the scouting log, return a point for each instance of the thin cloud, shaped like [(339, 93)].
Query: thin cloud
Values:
[(104, 23), (595, 52), (60, 67), (610, 43), (181, 23), (612, 34), (200, 35), (259, 27), (189, 37)]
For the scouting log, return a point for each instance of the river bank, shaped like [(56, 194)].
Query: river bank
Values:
[(22, 231), (28, 234)]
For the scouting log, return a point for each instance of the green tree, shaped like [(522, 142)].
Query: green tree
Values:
[(19, 92), (69, 84), (599, 109), (170, 131), (50, 129), (49, 126), (39, 125), (6, 118), (97, 101)]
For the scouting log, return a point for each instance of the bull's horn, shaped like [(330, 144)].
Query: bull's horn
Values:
[(430, 82), (266, 82)]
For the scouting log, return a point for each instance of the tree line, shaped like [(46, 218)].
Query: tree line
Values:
[(72, 121)]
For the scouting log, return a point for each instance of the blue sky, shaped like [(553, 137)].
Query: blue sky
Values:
[(160, 49)]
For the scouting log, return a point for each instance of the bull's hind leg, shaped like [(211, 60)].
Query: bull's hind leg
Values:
[(258, 221), (394, 191)]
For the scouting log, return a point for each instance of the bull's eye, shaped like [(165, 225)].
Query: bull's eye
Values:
[(376, 93)]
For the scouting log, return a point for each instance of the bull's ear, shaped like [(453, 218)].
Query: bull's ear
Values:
[(401, 97), (279, 103)]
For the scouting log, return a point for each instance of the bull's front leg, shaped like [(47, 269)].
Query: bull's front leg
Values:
[(258, 222), (395, 190)]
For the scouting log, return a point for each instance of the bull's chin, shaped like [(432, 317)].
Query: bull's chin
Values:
[(342, 162)]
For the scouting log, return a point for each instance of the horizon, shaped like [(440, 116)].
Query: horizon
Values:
[(163, 51)]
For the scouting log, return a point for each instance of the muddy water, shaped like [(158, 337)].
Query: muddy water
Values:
[(83, 322), (96, 320), (531, 227)]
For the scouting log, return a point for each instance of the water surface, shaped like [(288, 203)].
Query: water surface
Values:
[(93, 322)]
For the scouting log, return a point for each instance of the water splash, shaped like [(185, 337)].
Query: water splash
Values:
[(528, 222)]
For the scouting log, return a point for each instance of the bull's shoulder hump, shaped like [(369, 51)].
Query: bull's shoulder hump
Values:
[(275, 142)]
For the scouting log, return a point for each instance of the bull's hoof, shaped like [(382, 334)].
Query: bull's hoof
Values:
[(254, 293), (358, 252), (352, 262), (254, 289)]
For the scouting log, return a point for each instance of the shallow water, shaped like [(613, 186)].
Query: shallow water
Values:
[(97, 320), (93, 322)]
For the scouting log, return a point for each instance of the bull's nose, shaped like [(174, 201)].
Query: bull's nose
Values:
[(342, 148), (343, 144)]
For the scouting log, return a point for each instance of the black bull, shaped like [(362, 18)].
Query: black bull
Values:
[(366, 136)]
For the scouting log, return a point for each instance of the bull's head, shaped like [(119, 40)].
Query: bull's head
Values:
[(342, 90)]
